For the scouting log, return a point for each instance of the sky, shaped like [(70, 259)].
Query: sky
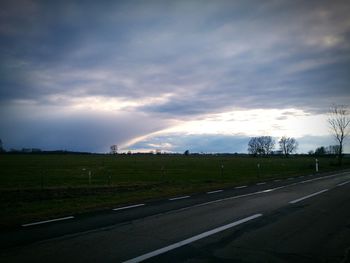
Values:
[(203, 76)]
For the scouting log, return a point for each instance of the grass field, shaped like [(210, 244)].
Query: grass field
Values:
[(42, 186)]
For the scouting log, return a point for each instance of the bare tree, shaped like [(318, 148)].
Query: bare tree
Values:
[(114, 149), (262, 145), (332, 149), (339, 120), (254, 146), (288, 145), (268, 143)]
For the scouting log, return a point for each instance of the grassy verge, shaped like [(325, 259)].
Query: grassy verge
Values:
[(36, 187)]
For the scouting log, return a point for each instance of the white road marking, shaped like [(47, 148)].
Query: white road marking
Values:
[(240, 187), (308, 196), (214, 192), (341, 184), (178, 198), (254, 193), (320, 178), (190, 240), (278, 180), (127, 207), (261, 183), (251, 194), (48, 221), (290, 178)]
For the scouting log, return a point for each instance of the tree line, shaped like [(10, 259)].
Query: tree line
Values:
[(264, 145)]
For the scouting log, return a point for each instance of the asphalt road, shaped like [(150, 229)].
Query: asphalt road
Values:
[(295, 220)]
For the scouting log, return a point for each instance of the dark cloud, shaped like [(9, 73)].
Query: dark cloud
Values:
[(80, 131), (197, 57)]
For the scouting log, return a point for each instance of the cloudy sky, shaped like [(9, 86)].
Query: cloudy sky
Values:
[(170, 75)]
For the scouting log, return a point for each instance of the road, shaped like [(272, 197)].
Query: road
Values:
[(303, 219)]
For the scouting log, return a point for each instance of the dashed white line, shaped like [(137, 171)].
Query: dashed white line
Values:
[(308, 196), (261, 183), (178, 198), (344, 183), (127, 207), (190, 240), (48, 221), (214, 192), (240, 187), (278, 180)]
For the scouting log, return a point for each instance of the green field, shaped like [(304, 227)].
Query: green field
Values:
[(42, 186)]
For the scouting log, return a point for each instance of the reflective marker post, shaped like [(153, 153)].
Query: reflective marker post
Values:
[(316, 165)]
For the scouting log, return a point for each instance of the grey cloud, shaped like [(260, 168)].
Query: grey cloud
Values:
[(209, 56), (227, 47), (80, 131)]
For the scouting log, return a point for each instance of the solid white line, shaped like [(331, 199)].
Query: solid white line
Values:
[(48, 221), (190, 240), (341, 184), (178, 198), (308, 196), (127, 207), (261, 183), (240, 187), (214, 192)]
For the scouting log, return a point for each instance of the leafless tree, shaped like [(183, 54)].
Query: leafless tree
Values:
[(254, 146), (262, 145), (288, 145), (268, 144), (114, 149), (332, 149), (339, 120)]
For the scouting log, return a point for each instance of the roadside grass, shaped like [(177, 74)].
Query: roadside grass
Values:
[(36, 187)]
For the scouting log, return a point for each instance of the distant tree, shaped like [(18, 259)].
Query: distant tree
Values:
[(262, 145), (288, 145), (320, 151), (254, 147), (114, 149), (268, 143), (311, 152), (332, 149), (339, 120), (187, 152)]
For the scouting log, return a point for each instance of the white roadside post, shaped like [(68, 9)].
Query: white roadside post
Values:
[(316, 165)]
